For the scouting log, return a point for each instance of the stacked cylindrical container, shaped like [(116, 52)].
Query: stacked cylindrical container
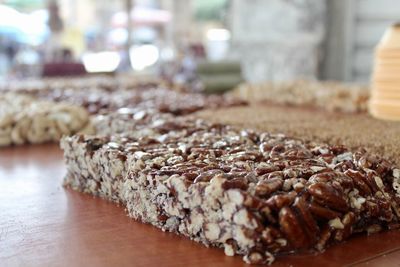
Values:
[(385, 95)]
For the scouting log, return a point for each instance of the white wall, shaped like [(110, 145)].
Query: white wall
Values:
[(277, 40)]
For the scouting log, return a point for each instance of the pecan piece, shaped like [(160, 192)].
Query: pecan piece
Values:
[(207, 176), (339, 149), (323, 177), (270, 235), (292, 227), (251, 202), (325, 235), (383, 167), (328, 158), (347, 221), (276, 174), (322, 212), (235, 183), (359, 182), (311, 226), (278, 149), (267, 187), (345, 181), (344, 165), (325, 194), (297, 154), (260, 170), (190, 175), (372, 180), (278, 201)]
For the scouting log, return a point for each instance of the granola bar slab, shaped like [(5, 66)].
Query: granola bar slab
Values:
[(253, 194), (27, 120)]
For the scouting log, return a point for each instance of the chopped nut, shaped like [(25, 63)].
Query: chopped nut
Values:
[(336, 223), (254, 257), (228, 249), (212, 231), (357, 202), (378, 182), (396, 173)]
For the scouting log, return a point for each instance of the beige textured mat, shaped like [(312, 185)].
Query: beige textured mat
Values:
[(354, 130)]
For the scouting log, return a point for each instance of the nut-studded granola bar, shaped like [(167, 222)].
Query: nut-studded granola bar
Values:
[(101, 96), (26, 120), (253, 194), (98, 163), (327, 95)]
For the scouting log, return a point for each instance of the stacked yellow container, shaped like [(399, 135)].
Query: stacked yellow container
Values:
[(385, 95)]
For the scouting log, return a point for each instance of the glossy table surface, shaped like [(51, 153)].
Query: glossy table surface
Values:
[(44, 224)]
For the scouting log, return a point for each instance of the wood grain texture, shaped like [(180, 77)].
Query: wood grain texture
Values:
[(43, 224)]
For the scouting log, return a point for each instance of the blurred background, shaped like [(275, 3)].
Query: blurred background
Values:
[(221, 41)]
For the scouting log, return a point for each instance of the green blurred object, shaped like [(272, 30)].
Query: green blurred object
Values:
[(219, 77), (217, 84), (206, 10), (206, 67), (25, 4)]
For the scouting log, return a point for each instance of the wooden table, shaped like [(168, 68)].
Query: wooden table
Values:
[(44, 224)]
